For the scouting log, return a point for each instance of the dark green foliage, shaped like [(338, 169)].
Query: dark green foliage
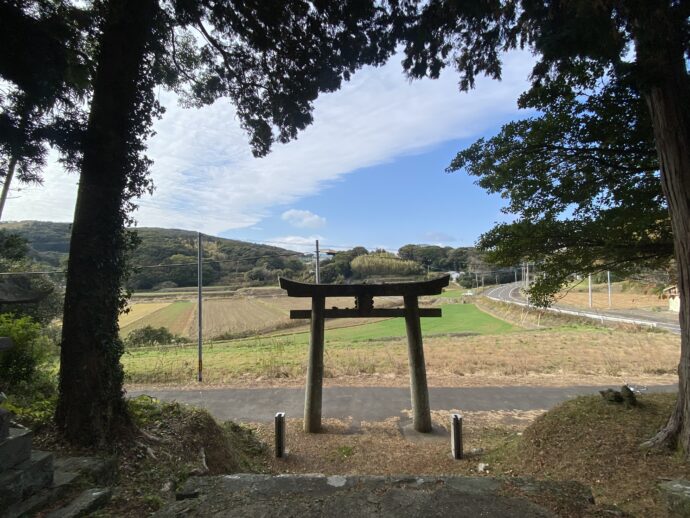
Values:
[(583, 180), (436, 257), (148, 336), (20, 363), (260, 274), (13, 247), (13, 258)]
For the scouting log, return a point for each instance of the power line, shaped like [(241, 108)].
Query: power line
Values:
[(166, 265)]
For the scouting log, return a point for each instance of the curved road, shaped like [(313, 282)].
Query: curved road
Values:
[(512, 294)]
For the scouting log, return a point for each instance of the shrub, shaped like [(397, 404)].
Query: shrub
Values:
[(147, 336), (31, 349)]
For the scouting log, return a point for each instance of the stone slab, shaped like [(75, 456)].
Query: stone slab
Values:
[(677, 497), (97, 470), (15, 448), (312, 496), (86, 503), (26, 478)]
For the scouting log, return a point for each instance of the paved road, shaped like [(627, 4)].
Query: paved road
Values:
[(665, 320), (369, 403)]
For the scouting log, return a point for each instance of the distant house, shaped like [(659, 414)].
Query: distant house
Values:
[(673, 298)]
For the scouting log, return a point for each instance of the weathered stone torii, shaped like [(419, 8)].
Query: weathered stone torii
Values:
[(364, 308)]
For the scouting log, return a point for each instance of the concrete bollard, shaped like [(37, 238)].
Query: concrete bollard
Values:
[(456, 435), (4, 424), (280, 435)]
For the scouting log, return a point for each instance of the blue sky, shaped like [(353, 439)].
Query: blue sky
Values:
[(369, 171)]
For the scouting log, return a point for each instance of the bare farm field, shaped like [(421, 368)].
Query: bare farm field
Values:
[(237, 316), (175, 316), (138, 311), (231, 317)]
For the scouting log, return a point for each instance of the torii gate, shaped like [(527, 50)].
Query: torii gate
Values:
[(364, 308)]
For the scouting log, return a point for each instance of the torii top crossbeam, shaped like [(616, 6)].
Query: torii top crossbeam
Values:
[(301, 289)]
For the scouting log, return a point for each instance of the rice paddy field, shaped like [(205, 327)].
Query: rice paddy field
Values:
[(466, 347), (232, 317)]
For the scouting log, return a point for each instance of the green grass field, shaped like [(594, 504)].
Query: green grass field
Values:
[(457, 318)]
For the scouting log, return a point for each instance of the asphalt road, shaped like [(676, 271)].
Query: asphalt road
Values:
[(666, 320), (369, 403)]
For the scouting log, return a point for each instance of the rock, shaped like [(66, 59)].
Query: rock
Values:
[(625, 395), (476, 451), (482, 468), (187, 494), (677, 497)]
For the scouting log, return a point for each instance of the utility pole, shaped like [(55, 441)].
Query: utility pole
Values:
[(527, 275), (318, 264), (515, 272), (608, 281), (199, 273), (589, 279)]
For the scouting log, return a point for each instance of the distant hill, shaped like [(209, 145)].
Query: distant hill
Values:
[(227, 261)]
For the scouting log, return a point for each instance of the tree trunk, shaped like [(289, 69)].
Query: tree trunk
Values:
[(7, 182), (91, 407), (666, 89)]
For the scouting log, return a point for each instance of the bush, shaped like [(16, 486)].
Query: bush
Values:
[(31, 349), (147, 336)]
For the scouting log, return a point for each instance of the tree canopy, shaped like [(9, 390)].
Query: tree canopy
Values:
[(582, 179)]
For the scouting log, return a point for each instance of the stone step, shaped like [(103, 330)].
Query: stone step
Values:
[(86, 503), (25, 479), (70, 474), (15, 449), (336, 496)]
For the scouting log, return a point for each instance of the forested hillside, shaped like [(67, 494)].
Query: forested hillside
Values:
[(167, 258), (227, 261)]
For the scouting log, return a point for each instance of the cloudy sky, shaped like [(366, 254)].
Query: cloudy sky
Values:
[(369, 171)]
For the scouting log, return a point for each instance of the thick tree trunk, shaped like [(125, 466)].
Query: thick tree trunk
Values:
[(91, 407), (666, 89)]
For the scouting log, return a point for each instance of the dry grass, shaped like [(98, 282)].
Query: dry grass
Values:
[(390, 447), (625, 300), (571, 356), (598, 443)]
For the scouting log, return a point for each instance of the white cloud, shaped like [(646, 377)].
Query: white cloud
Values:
[(438, 238), (304, 244), (206, 178), (303, 218)]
